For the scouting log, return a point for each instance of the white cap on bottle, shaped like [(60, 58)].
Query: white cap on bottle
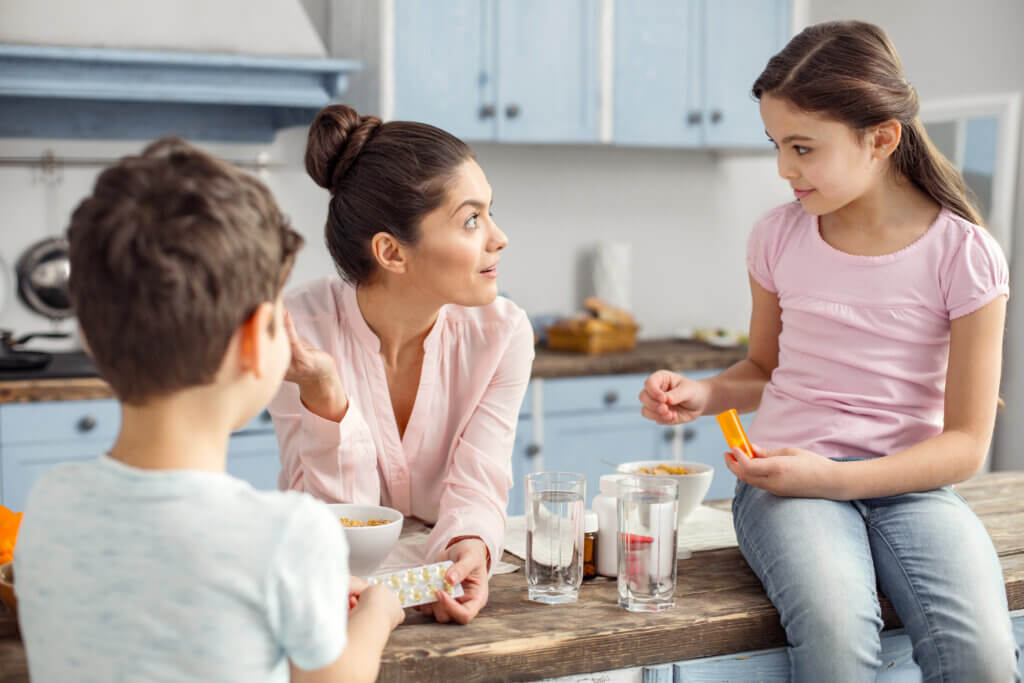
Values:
[(609, 483), (589, 521)]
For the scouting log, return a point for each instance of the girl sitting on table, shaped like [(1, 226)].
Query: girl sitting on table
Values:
[(875, 345), (408, 371)]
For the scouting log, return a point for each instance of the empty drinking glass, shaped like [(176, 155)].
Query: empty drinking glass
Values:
[(647, 543), (554, 535)]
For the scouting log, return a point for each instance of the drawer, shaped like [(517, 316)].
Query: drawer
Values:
[(596, 393), (59, 421)]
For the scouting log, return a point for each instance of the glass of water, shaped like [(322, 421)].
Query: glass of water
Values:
[(647, 543), (554, 535)]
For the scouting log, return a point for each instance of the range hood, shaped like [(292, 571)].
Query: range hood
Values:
[(238, 70)]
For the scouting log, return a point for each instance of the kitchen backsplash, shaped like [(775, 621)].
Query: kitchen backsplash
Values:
[(685, 213)]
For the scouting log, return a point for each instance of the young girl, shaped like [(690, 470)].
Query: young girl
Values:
[(875, 342), (408, 372)]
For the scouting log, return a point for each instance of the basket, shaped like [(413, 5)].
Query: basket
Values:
[(610, 338)]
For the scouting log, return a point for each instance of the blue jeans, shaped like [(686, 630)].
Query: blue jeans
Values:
[(822, 562)]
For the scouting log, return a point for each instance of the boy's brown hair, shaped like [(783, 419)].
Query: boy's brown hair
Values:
[(170, 254)]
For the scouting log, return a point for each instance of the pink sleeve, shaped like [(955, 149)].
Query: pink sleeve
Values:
[(333, 461), (762, 250), (978, 274), (479, 475)]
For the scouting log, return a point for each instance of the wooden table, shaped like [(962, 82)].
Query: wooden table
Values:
[(720, 609)]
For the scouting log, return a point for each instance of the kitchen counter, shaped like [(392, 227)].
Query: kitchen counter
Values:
[(720, 609), (647, 357)]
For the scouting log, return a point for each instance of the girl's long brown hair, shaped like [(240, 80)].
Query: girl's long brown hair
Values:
[(849, 71)]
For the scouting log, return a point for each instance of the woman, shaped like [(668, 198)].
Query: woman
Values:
[(407, 373)]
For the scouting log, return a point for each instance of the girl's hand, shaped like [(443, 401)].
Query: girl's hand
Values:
[(790, 472), (317, 376), (470, 558), (669, 398)]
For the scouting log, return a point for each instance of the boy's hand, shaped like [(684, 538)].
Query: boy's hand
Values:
[(355, 588), (470, 568), (317, 376), (789, 472), (669, 398), (383, 602)]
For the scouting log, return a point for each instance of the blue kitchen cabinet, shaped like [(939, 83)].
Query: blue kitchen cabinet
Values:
[(683, 70), (525, 452), (499, 70), (443, 66), (593, 444), (657, 74), (36, 436), (740, 36)]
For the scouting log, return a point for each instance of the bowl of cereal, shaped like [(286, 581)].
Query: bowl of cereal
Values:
[(371, 532), (693, 478)]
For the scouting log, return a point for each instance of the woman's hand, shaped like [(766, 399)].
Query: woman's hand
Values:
[(789, 472), (470, 567), (316, 374), (669, 398)]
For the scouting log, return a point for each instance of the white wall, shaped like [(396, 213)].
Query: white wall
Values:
[(953, 48)]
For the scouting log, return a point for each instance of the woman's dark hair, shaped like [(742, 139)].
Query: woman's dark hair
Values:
[(383, 177), (849, 71)]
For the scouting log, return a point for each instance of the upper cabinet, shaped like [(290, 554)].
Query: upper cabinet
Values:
[(668, 73), (684, 68), (501, 70)]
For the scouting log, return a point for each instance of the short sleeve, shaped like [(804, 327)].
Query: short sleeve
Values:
[(763, 248), (307, 587), (977, 274)]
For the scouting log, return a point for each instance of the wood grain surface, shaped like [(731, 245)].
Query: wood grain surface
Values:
[(720, 608)]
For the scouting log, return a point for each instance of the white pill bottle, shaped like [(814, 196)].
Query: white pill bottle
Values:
[(606, 506)]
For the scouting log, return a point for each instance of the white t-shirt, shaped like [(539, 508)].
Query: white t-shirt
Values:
[(125, 574)]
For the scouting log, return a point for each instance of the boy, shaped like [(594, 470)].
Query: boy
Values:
[(151, 563)]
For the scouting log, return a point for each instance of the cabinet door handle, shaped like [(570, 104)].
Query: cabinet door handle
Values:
[(265, 416), (611, 398), (512, 111), (487, 111), (669, 436), (533, 450), (716, 116), (689, 433), (86, 423), (694, 118)]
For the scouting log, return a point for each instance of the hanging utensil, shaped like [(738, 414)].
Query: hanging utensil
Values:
[(43, 272)]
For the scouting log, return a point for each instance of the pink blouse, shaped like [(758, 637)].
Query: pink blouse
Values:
[(452, 466)]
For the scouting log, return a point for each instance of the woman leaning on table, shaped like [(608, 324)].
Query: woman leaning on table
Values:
[(408, 371)]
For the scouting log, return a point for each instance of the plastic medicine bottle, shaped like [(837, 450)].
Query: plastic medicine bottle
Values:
[(606, 506), (589, 544)]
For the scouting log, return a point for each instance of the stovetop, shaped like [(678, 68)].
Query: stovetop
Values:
[(62, 365)]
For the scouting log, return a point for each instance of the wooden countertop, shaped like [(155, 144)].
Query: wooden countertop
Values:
[(647, 357), (720, 608)]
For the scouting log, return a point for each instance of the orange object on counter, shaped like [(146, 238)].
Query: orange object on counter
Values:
[(10, 522), (729, 421)]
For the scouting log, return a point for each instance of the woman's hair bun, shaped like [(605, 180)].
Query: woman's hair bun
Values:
[(336, 137)]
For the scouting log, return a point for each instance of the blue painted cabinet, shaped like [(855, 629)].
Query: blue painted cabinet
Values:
[(36, 436), (683, 70), (500, 70)]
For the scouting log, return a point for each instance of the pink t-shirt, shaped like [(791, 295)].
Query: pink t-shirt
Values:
[(864, 345), (452, 466)]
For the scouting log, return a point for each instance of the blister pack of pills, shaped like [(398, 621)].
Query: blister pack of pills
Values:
[(419, 585)]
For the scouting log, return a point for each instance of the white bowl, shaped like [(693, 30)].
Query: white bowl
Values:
[(693, 485), (368, 545)]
